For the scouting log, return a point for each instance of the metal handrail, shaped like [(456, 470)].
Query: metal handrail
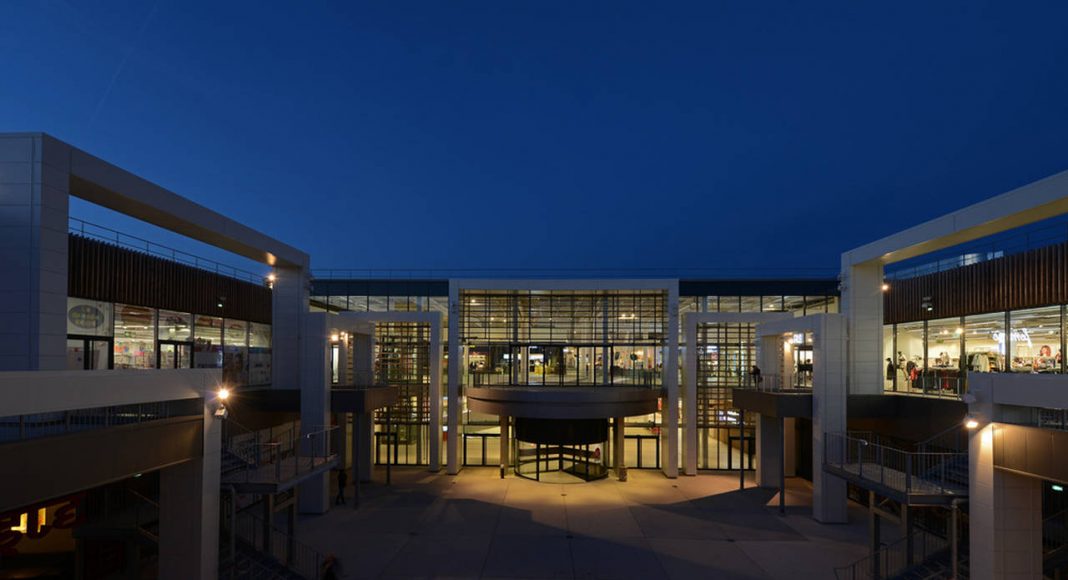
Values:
[(909, 472), (439, 273), (892, 559), (105, 234), (280, 546)]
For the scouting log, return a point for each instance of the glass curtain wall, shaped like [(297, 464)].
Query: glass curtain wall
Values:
[(401, 357), (562, 339), (725, 353), (939, 354)]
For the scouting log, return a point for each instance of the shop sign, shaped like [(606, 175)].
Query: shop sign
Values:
[(86, 316), (34, 522)]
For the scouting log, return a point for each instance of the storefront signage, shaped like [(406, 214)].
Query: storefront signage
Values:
[(34, 522), (1018, 337), (86, 316)]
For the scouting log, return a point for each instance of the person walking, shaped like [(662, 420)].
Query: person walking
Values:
[(342, 479)]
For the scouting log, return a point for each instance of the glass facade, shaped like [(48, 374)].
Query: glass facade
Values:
[(102, 335), (565, 338), (937, 355)]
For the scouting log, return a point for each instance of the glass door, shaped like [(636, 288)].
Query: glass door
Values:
[(175, 355), (89, 353)]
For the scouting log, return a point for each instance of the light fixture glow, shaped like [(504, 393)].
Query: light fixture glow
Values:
[(885, 286), (971, 423), (224, 394), (271, 277), (1056, 487)]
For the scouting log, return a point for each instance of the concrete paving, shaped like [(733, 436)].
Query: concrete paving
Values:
[(475, 525)]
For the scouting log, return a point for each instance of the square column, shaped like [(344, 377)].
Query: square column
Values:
[(689, 397), (862, 304), (1006, 515), (829, 407), (314, 494), (452, 436), (670, 410), (504, 444), (435, 396), (289, 304), (769, 444), (189, 510), (619, 447), (34, 197)]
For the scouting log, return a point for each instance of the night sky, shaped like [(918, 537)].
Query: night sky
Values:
[(714, 135)]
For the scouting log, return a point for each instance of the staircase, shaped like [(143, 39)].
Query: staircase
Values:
[(261, 551), (914, 478), (931, 557)]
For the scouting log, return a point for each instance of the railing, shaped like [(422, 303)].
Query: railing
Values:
[(38, 425), (541, 273), (619, 377), (106, 234), (986, 250), (1055, 532), (909, 473), (278, 545), (895, 558), (951, 440), (286, 455), (931, 386), (116, 506), (773, 384)]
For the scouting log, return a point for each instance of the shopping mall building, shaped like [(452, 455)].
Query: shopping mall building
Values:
[(166, 413)]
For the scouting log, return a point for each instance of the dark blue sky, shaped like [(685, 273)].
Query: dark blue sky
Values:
[(577, 134)]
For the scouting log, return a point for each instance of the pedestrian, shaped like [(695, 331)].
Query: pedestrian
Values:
[(342, 479), (331, 570), (754, 374)]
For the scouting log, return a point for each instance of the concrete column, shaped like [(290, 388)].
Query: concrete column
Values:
[(504, 445), (689, 395), (435, 394), (862, 304), (670, 411), (363, 442), (314, 493), (363, 354), (289, 304), (790, 446), (829, 397), (1006, 515), (189, 511), (34, 212), (619, 447), (769, 451), (452, 447)]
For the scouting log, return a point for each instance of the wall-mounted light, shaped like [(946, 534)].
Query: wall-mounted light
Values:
[(971, 422), (885, 286), (333, 338)]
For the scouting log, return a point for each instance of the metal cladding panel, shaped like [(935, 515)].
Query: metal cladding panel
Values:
[(1027, 280), (106, 272), (561, 431)]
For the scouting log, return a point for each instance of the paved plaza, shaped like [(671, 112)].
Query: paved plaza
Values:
[(475, 525)]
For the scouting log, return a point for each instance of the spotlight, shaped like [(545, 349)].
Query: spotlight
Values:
[(885, 286), (224, 394), (971, 423)]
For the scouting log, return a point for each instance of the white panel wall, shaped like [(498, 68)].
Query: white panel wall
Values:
[(34, 186)]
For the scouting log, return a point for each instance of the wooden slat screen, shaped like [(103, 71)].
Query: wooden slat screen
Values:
[(102, 271), (1027, 280)]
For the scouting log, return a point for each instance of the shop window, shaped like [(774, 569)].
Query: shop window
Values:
[(235, 352), (358, 303), (772, 304), (259, 354), (943, 343), (795, 304), (1035, 340), (892, 373), (135, 337), (89, 317), (175, 326), (984, 343), (207, 348), (816, 304), (378, 304), (750, 304), (910, 338), (712, 304)]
